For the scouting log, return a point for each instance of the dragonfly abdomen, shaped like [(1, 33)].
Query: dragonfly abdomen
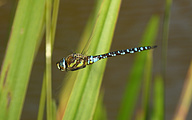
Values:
[(93, 59)]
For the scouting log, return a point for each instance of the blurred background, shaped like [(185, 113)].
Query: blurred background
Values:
[(133, 18)]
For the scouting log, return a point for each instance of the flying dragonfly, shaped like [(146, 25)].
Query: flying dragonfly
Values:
[(78, 61)]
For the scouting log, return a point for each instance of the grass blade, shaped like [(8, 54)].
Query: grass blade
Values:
[(100, 111), (146, 88), (69, 81), (48, 4), (165, 36), (135, 77), (186, 97), (23, 44), (42, 100), (49, 44), (158, 110), (87, 85)]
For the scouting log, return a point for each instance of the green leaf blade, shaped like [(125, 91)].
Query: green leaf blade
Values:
[(135, 77), (15, 73), (87, 85)]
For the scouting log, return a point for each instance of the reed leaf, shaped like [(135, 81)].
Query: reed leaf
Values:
[(83, 99), (51, 22), (158, 109), (144, 111), (186, 97), (21, 49), (100, 111), (135, 77), (48, 4), (165, 35)]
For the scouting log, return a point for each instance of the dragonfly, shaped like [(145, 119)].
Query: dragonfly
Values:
[(78, 61)]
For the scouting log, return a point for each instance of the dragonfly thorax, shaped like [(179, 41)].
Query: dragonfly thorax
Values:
[(72, 62)]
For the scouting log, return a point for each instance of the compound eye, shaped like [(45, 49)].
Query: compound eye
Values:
[(61, 65)]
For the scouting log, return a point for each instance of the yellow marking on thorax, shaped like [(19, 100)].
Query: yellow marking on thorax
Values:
[(80, 64), (72, 63)]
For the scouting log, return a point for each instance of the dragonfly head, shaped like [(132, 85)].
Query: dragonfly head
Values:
[(61, 64)]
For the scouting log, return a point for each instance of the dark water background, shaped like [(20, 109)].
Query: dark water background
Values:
[(133, 18)]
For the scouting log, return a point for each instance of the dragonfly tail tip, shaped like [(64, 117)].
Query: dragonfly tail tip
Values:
[(154, 46)]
